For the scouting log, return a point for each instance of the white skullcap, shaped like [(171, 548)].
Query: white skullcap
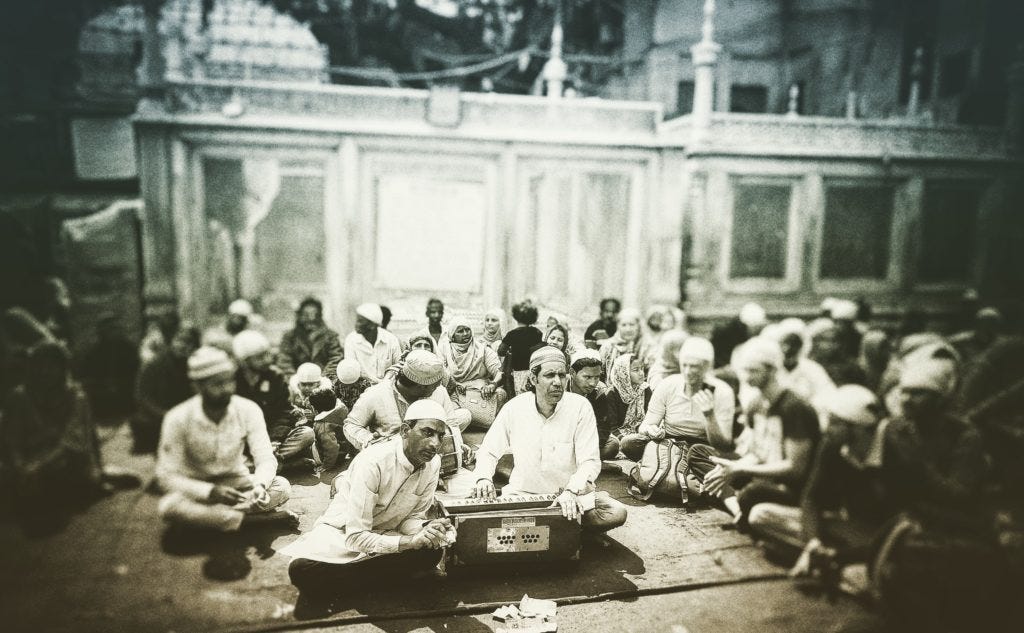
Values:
[(586, 352), (209, 361), (371, 312), (249, 343), (308, 372), (753, 315), (546, 354), (791, 325), (423, 367), (697, 347), (760, 351), (854, 404), (348, 371), (843, 310), (425, 409), (240, 307)]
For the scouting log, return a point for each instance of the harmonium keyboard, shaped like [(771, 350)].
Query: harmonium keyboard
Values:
[(513, 529)]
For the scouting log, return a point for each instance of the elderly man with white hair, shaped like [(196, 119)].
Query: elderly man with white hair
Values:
[(783, 435), (379, 411), (552, 436), (691, 406), (201, 464), (373, 347)]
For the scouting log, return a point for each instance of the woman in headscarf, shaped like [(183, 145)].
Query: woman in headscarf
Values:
[(628, 339), (629, 395), (558, 337), (472, 367), (492, 332), (667, 362)]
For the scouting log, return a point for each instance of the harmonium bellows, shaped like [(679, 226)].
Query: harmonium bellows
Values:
[(523, 529)]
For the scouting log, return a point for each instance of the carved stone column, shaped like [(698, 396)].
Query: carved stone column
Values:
[(705, 57)]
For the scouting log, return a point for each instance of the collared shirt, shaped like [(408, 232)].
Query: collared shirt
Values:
[(425, 331), (382, 409), (195, 450), (374, 359), (550, 453), (678, 415), (380, 498)]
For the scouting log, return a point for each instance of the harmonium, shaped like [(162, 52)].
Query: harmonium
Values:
[(515, 529)]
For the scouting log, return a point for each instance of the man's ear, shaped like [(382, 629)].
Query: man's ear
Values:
[(404, 429), (533, 379)]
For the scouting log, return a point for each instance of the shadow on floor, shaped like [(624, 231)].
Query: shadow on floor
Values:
[(601, 570), (226, 552)]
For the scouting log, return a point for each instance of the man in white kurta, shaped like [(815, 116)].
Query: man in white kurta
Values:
[(552, 436), (373, 347), (201, 460), (376, 527)]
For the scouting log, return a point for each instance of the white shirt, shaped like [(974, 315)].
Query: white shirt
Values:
[(195, 450), (550, 453), (374, 359), (675, 412), (381, 409), (380, 498)]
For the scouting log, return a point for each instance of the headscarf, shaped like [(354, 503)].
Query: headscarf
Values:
[(565, 335), (616, 345), (492, 339), (632, 395), (465, 361)]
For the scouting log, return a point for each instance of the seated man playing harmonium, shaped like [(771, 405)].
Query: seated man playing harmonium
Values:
[(552, 436), (376, 527)]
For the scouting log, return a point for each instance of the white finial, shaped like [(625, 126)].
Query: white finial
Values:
[(555, 69), (708, 29), (794, 100)]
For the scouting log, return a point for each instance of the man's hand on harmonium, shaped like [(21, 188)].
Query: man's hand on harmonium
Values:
[(570, 505), (484, 489)]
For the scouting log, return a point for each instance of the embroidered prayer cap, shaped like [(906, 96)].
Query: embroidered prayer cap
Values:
[(759, 351), (371, 312), (240, 307), (931, 374), (209, 361), (697, 347), (854, 404), (547, 354), (586, 352), (348, 371), (843, 310), (753, 315), (425, 409), (249, 343), (308, 372), (423, 367)]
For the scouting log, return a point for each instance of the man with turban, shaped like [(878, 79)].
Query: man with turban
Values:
[(845, 502), (373, 347), (310, 341), (552, 436), (380, 410), (201, 461)]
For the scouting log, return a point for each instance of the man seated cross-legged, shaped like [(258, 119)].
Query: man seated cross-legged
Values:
[(376, 527), (201, 461), (552, 436)]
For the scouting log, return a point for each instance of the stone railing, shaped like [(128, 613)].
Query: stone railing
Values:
[(786, 136), (402, 108)]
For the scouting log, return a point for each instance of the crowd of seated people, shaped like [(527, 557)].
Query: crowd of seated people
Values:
[(835, 441)]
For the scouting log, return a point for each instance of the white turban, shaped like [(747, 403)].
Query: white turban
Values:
[(854, 404), (308, 372), (249, 343), (240, 307)]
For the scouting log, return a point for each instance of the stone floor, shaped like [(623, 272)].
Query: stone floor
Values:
[(113, 567)]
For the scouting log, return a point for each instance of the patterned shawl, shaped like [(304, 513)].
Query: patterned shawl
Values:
[(464, 361), (632, 395)]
